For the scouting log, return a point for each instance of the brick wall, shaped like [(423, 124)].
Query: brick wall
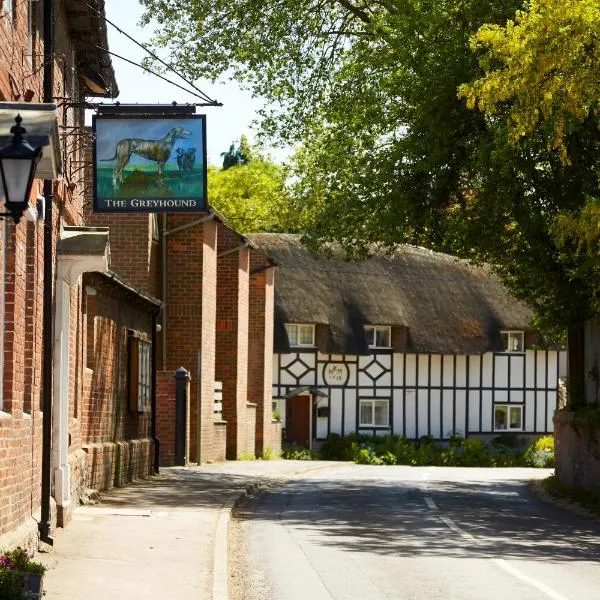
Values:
[(260, 349), (21, 413), (190, 321), (165, 416), (134, 253), (115, 437), (232, 339)]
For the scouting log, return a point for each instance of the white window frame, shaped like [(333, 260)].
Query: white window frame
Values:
[(509, 409), (371, 333), (296, 327), (372, 402), (140, 374), (507, 346)]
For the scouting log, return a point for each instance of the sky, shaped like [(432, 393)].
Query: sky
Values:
[(223, 125)]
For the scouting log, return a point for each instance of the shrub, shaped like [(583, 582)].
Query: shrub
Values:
[(335, 447), (540, 454), (298, 453), (13, 565)]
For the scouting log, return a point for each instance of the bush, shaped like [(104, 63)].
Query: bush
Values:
[(298, 453), (540, 454), (335, 447), (13, 565)]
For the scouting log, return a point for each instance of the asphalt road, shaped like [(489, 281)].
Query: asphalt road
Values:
[(363, 532)]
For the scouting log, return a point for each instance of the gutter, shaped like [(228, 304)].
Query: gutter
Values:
[(245, 244)]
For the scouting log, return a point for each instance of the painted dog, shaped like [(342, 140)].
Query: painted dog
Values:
[(156, 150), (185, 159)]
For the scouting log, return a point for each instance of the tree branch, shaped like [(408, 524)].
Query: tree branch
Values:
[(357, 12)]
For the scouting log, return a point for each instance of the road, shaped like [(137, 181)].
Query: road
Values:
[(411, 533)]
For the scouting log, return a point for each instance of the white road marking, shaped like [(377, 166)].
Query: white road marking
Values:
[(429, 501), (542, 587), (454, 527)]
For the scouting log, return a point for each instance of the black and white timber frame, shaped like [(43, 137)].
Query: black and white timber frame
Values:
[(429, 394)]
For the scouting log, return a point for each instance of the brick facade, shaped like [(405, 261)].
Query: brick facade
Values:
[(115, 437), (21, 410), (260, 352), (232, 341), (21, 297)]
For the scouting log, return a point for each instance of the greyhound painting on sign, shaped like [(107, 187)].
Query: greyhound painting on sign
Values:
[(155, 164)]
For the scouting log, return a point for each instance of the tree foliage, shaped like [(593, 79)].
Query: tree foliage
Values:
[(252, 196), (545, 65), (241, 155), (389, 152)]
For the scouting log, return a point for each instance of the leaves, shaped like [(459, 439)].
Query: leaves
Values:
[(252, 196), (542, 67), (388, 153)]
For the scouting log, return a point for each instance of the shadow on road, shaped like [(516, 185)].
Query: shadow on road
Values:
[(392, 518)]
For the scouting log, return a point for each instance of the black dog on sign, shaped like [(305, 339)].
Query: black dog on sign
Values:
[(157, 150), (185, 159)]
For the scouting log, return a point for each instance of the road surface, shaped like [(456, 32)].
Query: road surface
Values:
[(411, 533)]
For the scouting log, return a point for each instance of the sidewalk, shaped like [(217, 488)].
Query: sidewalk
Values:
[(163, 538)]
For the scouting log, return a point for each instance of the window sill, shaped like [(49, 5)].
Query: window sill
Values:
[(4, 416), (508, 430), (374, 426)]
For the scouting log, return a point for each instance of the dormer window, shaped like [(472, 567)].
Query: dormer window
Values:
[(513, 341), (378, 336), (300, 334)]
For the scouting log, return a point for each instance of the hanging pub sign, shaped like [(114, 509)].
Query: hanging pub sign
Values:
[(149, 163)]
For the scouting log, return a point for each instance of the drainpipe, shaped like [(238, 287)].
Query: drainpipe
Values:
[(153, 397), (45, 521), (164, 291)]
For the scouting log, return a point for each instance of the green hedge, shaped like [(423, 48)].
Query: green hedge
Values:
[(470, 452)]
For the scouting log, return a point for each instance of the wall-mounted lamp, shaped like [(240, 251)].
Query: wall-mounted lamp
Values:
[(18, 162)]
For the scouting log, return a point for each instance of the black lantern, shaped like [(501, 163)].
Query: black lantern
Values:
[(18, 162)]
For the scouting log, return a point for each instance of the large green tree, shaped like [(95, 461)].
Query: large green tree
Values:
[(252, 195), (389, 152)]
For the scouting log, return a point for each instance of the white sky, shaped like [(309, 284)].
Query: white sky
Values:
[(223, 125)]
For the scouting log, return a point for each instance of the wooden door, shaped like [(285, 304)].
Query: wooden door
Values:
[(298, 421)]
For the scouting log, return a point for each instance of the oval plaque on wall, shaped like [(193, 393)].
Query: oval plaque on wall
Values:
[(335, 373)]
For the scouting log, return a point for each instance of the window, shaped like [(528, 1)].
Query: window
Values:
[(508, 418), (378, 336), (300, 335), (140, 374), (512, 341), (374, 413)]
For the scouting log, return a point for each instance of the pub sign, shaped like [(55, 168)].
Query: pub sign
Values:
[(148, 163)]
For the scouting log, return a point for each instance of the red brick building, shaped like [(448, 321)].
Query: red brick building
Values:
[(216, 291), (94, 346), (95, 372)]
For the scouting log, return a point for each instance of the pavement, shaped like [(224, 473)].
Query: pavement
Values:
[(165, 537)]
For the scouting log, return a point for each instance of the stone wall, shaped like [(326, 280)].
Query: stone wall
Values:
[(577, 450)]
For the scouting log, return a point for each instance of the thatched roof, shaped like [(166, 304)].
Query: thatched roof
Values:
[(446, 304)]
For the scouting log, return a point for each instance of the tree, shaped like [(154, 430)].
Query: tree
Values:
[(389, 152), (252, 196), (545, 65), (241, 155)]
